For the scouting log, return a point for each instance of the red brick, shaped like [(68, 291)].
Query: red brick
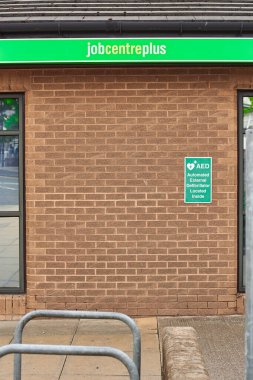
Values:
[(104, 189)]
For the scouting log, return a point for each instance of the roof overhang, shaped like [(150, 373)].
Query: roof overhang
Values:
[(36, 29)]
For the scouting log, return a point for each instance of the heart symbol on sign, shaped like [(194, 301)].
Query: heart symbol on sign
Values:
[(190, 166)]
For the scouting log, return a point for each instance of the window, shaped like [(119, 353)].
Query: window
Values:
[(245, 107), (11, 194)]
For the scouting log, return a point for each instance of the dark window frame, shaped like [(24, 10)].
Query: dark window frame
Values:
[(241, 227), (20, 213)]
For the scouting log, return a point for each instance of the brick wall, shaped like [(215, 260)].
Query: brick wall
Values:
[(107, 227)]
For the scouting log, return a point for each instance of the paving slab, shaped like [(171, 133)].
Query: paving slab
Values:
[(39, 377), (151, 363), (115, 334), (41, 332), (90, 366), (147, 325), (122, 342), (50, 328), (6, 367), (98, 377), (6, 335), (6, 332), (221, 341), (150, 342), (104, 377), (101, 326), (82, 332), (5, 339), (151, 357)]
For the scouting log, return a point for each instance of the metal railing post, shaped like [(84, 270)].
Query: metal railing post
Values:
[(73, 350), (76, 315)]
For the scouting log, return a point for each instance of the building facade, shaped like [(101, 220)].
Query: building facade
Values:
[(92, 211)]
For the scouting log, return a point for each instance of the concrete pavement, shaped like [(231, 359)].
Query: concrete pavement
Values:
[(82, 332), (221, 341)]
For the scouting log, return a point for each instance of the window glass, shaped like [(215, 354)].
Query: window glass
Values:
[(9, 115), (9, 181), (247, 123), (9, 252), (247, 112), (11, 192)]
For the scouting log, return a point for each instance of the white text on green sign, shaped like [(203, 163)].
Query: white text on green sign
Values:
[(125, 50), (198, 180)]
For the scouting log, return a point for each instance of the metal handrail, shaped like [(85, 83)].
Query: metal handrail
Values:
[(73, 350), (77, 315)]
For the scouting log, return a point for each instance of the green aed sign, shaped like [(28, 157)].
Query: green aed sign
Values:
[(125, 50), (198, 179)]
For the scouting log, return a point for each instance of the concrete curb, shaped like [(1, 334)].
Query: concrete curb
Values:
[(182, 359)]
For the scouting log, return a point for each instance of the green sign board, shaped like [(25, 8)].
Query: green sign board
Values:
[(125, 50), (198, 179)]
